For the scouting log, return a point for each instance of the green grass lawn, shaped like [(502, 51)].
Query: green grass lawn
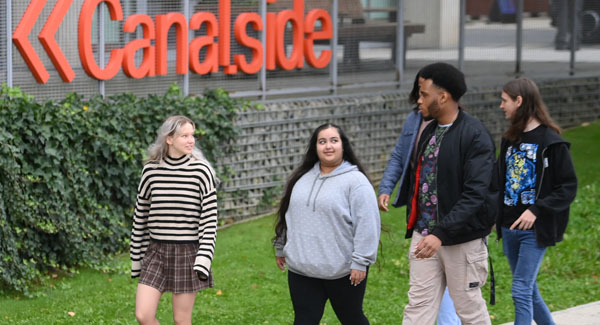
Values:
[(250, 289)]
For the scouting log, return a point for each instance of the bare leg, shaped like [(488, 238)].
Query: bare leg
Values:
[(146, 302), (183, 305)]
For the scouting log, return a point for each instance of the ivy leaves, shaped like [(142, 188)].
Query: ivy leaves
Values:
[(69, 171)]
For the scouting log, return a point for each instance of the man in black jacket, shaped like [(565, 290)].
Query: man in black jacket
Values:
[(447, 216)]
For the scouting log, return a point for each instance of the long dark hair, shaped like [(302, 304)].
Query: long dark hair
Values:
[(532, 105), (308, 162), (413, 96)]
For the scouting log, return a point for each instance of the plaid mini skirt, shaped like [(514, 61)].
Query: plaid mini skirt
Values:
[(168, 267)]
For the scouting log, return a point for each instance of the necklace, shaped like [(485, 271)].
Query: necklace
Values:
[(440, 134), (434, 142)]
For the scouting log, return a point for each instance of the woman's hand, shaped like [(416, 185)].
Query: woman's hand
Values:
[(357, 276), (428, 246), (280, 263), (525, 221), (201, 276), (382, 201)]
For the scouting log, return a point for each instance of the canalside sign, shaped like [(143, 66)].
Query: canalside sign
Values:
[(216, 41)]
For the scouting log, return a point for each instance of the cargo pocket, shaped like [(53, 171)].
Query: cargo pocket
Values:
[(477, 270)]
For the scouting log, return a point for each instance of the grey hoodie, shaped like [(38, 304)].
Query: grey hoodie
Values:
[(332, 224)]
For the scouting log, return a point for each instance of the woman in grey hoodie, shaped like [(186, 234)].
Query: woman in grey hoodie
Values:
[(328, 230)]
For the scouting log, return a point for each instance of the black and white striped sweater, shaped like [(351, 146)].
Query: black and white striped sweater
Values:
[(176, 202)]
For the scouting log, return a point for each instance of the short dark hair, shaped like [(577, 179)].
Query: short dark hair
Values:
[(447, 77)]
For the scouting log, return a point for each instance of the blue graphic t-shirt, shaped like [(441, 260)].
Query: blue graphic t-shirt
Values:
[(522, 168)]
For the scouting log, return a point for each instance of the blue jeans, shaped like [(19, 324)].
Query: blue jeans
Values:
[(525, 257), (447, 314)]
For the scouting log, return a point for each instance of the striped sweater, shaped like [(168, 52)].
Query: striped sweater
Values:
[(176, 202)]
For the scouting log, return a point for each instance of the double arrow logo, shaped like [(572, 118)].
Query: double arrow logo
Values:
[(46, 37)]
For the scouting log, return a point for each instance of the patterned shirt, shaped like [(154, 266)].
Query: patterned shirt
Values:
[(522, 166), (428, 199)]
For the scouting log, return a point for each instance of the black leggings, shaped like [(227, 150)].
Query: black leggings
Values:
[(309, 296)]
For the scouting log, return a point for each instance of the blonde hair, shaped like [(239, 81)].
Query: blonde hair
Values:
[(170, 127)]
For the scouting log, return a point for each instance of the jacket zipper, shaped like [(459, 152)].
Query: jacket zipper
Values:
[(437, 206), (543, 172), (418, 156), (539, 188)]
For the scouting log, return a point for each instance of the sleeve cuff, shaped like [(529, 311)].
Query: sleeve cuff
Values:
[(202, 265), (356, 266), (201, 271), (384, 190), (201, 276), (535, 210), (136, 269), (279, 243), (439, 234)]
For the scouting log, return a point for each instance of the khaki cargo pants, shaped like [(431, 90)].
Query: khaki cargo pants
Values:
[(463, 268)]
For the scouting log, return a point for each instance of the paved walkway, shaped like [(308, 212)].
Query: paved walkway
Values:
[(490, 54), (588, 314), (496, 42)]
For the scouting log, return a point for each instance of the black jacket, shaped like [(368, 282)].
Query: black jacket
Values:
[(464, 171), (556, 189)]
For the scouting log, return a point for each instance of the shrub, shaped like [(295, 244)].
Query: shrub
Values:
[(69, 171)]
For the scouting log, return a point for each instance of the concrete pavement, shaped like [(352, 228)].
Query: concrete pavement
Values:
[(490, 54), (588, 314)]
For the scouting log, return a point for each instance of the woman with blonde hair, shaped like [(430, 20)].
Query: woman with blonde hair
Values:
[(175, 223)]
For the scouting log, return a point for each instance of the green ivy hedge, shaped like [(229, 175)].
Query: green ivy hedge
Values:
[(69, 171)]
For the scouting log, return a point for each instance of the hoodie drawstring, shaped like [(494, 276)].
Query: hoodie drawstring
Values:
[(317, 194), (311, 190)]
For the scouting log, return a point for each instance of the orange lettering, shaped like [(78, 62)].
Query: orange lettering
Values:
[(148, 64), (49, 42), (211, 63), (86, 53), (283, 61), (325, 33), (163, 24), (271, 40), (298, 34), (224, 36), (216, 42), (21, 40), (252, 43)]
